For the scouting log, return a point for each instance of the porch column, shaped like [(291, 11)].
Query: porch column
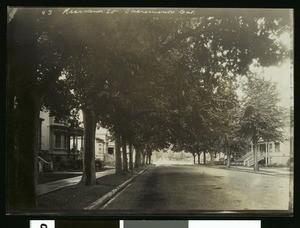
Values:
[(76, 137), (81, 140), (73, 142), (68, 143), (267, 150)]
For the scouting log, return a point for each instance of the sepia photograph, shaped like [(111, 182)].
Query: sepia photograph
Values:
[(150, 111)]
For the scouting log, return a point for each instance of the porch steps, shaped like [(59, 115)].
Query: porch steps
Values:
[(248, 160)]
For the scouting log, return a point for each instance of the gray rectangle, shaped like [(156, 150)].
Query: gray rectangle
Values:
[(156, 224)]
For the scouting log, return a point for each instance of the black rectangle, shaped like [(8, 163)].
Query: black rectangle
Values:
[(87, 223)]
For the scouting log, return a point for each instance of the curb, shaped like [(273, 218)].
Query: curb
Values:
[(104, 199)]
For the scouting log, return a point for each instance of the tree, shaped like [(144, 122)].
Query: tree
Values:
[(135, 87), (261, 116), (118, 153), (61, 103), (33, 66), (213, 51), (124, 151), (88, 69)]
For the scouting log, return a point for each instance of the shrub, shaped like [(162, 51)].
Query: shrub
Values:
[(77, 164), (290, 162), (277, 165), (65, 164), (98, 164)]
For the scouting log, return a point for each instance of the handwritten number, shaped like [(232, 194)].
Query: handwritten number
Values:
[(48, 12)]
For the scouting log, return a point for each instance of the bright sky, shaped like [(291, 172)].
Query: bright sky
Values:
[(283, 76)]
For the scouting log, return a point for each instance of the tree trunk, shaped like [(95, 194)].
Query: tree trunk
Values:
[(89, 171), (255, 156), (204, 157), (147, 157), (143, 155), (194, 156), (124, 151), (130, 157), (198, 158), (22, 186), (267, 154), (11, 136), (137, 156), (212, 158), (150, 155), (228, 158), (118, 153), (22, 112)]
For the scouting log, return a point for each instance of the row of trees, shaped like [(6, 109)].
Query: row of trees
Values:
[(153, 81), (255, 116)]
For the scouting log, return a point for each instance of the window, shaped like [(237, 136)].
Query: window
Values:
[(277, 147), (65, 141), (110, 150), (271, 147), (57, 140), (262, 148)]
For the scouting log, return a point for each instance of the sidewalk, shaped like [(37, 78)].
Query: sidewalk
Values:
[(65, 195), (283, 171), (55, 185)]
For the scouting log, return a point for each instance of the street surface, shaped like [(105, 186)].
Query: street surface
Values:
[(188, 188)]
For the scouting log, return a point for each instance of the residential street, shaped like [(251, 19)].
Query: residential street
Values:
[(189, 188), (138, 111)]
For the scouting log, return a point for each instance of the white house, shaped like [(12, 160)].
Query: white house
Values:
[(57, 140), (104, 146), (274, 152)]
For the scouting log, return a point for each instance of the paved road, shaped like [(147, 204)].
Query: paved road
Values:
[(163, 189)]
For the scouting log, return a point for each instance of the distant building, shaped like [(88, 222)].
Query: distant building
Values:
[(218, 158), (104, 147)]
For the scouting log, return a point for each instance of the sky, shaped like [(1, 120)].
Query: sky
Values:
[(283, 76)]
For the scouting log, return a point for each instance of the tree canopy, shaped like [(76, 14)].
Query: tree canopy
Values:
[(157, 79), (262, 117)]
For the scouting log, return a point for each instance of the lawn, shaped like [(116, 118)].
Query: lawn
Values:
[(50, 177)]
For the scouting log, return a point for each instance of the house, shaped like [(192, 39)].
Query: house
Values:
[(104, 146), (274, 153), (269, 153), (58, 141)]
